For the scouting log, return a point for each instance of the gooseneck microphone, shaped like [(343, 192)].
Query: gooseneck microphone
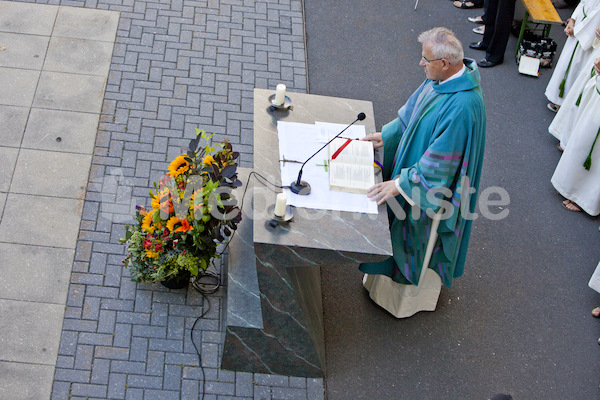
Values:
[(302, 187)]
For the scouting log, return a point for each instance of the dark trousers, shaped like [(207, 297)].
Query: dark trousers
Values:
[(498, 19)]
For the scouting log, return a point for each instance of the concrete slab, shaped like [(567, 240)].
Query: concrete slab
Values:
[(30, 331), (57, 130), (8, 158), (18, 86), (84, 23), (34, 273), (34, 19), (23, 51), (69, 92), (39, 220), (12, 125), (19, 381), (78, 56), (2, 201), (51, 173)]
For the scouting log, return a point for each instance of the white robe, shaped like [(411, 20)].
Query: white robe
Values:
[(579, 47), (570, 178), (562, 124)]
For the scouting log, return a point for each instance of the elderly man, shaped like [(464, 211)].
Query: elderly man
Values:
[(432, 163)]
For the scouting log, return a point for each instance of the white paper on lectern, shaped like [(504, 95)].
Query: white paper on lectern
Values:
[(298, 142)]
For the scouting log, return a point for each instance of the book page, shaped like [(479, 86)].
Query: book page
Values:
[(351, 178), (356, 152)]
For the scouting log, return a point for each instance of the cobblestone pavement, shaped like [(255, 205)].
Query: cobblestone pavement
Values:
[(176, 66)]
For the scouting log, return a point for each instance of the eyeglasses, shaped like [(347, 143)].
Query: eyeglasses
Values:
[(428, 61)]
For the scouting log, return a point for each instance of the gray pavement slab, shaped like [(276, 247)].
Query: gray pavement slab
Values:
[(16, 378), (78, 56), (88, 24), (63, 131), (27, 18), (30, 333), (12, 124), (41, 220), (64, 174), (35, 273), (23, 50), (8, 159), (18, 86), (69, 92)]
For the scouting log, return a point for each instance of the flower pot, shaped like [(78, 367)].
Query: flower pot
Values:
[(178, 281)]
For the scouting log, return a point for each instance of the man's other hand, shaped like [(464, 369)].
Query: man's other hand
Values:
[(382, 191), (375, 138)]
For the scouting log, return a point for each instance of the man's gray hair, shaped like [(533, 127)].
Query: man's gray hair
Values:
[(444, 44)]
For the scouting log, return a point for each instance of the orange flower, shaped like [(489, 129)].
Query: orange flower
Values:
[(184, 225)]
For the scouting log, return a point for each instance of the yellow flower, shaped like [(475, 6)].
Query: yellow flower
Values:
[(171, 223), (151, 254), (208, 160), (178, 166), (147, 223)]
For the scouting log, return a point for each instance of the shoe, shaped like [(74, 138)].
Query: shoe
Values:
[(487, 64), (467, 5), (480, 30), (553, 107), (476, 20), (478, 46)]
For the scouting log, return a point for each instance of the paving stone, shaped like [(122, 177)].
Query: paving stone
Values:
[(175, 67)]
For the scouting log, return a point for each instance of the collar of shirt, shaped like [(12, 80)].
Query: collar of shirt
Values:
[(456, 75)]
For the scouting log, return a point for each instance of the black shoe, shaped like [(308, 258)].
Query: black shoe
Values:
[(478, 46), (487, 64)]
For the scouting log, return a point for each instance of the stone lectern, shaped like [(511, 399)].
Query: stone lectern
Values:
[(274, 316)]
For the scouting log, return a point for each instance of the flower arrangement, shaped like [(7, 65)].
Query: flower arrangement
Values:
[(191, 213)]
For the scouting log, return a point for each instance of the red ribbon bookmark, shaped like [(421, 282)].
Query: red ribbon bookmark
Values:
[(342, 147)]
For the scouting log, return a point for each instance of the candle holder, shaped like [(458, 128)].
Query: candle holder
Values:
[(277, 220), (287, 104)]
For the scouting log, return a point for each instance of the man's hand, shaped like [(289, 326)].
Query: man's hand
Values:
[(375, 138), (570, 27), (382, 191)]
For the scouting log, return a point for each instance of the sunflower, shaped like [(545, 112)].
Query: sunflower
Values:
[(184, 225), (178, 166), (208, 160), (147, 223)]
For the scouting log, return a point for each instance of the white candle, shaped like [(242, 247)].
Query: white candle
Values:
[(280, 204), (280, 94)]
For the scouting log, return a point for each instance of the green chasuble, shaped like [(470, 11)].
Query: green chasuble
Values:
[(435, 145)]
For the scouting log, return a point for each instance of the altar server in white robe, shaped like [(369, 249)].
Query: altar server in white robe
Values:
[(562, 124), (581, 32), (577, 175)]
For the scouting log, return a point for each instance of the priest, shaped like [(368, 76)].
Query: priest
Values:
[(433, 154)]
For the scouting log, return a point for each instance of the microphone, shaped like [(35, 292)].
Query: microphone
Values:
[(302, 187)]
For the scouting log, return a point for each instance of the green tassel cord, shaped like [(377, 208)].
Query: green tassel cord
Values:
[(561, 87), (581, 94), (588, 161)]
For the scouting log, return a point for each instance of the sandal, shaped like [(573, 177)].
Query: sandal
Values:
[(553, 107), (466, 5), (569, 205), (596, 312)]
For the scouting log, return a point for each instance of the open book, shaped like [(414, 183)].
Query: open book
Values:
[(351, 165)]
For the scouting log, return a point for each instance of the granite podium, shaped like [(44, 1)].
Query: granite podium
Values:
[(274, 317)]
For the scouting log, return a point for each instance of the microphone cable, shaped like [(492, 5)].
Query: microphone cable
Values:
[(204, 292)]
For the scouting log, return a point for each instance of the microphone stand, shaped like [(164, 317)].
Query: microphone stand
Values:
[(302, 187)]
